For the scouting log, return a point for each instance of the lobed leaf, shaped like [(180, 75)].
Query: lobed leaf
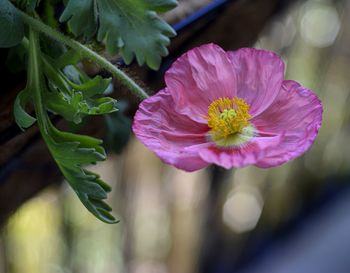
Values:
[(11, 25), (70, 151), (130, 27), (28, 5), (22, 118), (82, 16), (67, 58), (73, 95)]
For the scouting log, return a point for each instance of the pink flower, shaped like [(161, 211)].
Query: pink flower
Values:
[(232, 109)]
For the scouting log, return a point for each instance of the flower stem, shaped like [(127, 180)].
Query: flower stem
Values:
[(34, 79), (86, 53)]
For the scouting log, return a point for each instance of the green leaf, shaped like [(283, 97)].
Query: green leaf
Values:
[(75, 100), (69, 57), (70, 151), (28, 5), (130, 27), (52, 47), (82, 16), (75, 108), (23, 119), (11, 25), (161, 5), (92, 87)]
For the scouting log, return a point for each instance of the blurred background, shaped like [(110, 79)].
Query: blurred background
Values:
[(290, 219)]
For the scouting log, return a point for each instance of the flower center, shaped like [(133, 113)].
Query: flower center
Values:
[(228, 120)]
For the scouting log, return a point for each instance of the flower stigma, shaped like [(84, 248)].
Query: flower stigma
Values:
[(228, 120)]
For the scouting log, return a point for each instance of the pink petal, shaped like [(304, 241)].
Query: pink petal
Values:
[(168, 133), (241, 156), (259, 75), (172, 123), (296, 115), (198, 78)]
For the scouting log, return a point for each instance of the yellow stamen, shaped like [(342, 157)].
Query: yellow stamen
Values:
[(228, 118)]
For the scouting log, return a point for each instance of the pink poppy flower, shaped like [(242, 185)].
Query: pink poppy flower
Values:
[(231, 109)]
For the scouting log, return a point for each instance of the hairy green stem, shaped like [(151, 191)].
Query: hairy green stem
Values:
[(34, 81), (86, 53)]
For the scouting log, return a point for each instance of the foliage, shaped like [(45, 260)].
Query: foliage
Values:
[(11, 25), (57, 85), (129, 26), (50, 89)]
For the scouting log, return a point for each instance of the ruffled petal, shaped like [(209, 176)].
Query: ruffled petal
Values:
[(167, 133), (239, 157), (199, 77), (296, 115), (286, 117), (259, 75)]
